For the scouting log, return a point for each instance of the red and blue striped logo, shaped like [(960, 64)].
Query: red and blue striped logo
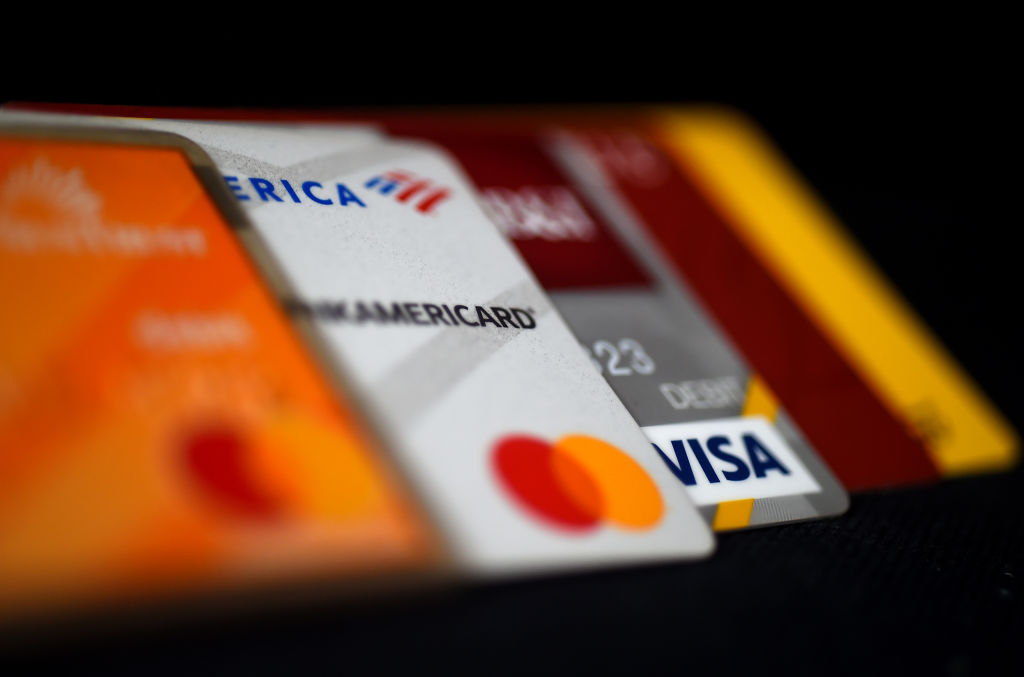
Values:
[(422, 193)]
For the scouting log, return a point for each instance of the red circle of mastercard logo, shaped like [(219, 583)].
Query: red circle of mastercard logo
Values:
[(577, 482), (218, 460)]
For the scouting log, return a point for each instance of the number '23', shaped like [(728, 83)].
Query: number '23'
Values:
[(622, 359)]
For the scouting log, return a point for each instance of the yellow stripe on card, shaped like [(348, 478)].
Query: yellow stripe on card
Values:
[(760, 400), (810, 253), (733, 514)]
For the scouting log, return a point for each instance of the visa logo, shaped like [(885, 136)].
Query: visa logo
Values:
[(730, 459), (732, 467), (285, 190)]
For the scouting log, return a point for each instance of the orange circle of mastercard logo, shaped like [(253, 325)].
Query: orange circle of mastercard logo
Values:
[(577, 482)]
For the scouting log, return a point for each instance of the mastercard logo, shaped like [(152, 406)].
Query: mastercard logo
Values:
[(577, 482), (285, 466)]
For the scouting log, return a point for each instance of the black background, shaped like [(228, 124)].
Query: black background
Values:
[(919, 157)]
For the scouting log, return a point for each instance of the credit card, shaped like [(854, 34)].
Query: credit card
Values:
[(864, 444), (712, 421), (163, 427), (522, 451), (777, 216)]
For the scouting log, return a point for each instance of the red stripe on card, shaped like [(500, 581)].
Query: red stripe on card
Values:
[(432, 199), (411, 190)]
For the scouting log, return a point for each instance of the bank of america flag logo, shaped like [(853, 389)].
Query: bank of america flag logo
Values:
[(408, 188)]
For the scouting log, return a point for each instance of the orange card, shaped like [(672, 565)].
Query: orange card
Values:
[(162, 425)]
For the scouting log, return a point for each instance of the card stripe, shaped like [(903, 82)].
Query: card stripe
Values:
[(841, 289), (864, 444), (760, 401), (733, 514)]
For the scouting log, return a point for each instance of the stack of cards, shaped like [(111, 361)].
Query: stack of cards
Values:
[(399, 346)]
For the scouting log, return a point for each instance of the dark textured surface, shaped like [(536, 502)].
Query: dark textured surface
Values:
[(927, 580)]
